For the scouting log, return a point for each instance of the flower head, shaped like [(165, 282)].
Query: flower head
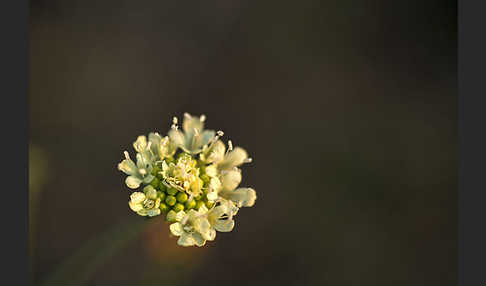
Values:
[(190, 176)]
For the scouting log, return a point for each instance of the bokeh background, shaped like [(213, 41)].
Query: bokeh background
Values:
[(347, 107)]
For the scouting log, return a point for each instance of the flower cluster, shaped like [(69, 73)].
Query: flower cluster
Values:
[(191, 177)]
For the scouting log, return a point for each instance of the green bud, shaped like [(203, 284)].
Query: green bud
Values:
[(209, 204), (162, 186), (190, 204), (171, 216), (202, 168), (199, 204), (161, 196), (155, 171), (169, 160), (163, 207), (170, 200), (150, 192), (181, 197), (205, 178), (178, 207), (155, 183), (172, 191)]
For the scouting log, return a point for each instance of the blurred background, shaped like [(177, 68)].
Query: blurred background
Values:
[(347, 107)]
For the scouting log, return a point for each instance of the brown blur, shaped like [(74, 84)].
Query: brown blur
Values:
[(348, 109)]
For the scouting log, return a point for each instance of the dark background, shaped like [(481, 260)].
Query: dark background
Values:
[(348, 109)]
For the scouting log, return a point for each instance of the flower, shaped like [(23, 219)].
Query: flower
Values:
[(146, 203), (194, 228), (194, 136), (161, 146), (137, 174), (221, 216)]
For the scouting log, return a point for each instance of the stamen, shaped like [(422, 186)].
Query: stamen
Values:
[(248, 160), (174, 123), (202, 118), (230, 145), (127, 156)]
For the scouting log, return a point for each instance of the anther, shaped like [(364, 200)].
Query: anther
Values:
[(127, 156), (230, 145), (202, 118), (248, 160)]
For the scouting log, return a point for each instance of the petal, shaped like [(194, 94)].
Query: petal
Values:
[(212, 170), (243, 197), (231, 179), (135, 207), (214, 185), (176, 229), (177, 137), (140, 144), (133, 182), (137, 197), (233, 159), (224, 225), (142, 212), (147, 179), (212, 196), (202, 226), (153, 212), (142, 161), (180, 215), (186, 240), (191, 122), (213, 153), (207, 136), (198, 239), (128, 167)]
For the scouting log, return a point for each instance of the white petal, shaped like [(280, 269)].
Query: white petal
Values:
[(202, 226), (133, 182), (190, 123), (140, 144), (153, 212), (231, 179), (212, 196), (177, 137), (135, 207), (198, 239), (137, 197), (128, 167), (224, 225), (176, 229), (233, 159), (214, 153), (212, 170), (186, 240), (243, 197)]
